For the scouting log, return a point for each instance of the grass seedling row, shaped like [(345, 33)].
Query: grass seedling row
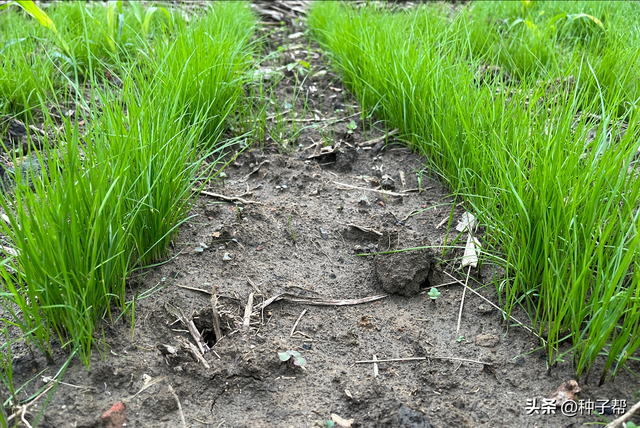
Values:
[(154, 90), (529, 111)]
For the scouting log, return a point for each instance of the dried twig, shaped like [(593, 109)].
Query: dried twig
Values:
[(293, 329), (624, 418), (247, 313), (410, 214), (492, 304), (194, 332), (256, 169), (194, 289), (375, 140), (319, 301), (146, 386), (375, 366), (255, 287), (216, 316), (384, 192), (464, 292), (323, 151), (22, 410), (196, 353), (421, 359), (444, 220), (175, 397), (365, 229), (228, 198)]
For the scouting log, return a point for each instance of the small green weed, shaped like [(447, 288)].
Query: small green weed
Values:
[(293, 358), (291, 231), (351, 126), (433, 293)]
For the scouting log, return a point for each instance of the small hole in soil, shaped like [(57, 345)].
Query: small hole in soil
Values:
[(204, 323)]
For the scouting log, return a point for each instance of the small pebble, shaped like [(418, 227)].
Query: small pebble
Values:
[(226, 257), (324, 234)]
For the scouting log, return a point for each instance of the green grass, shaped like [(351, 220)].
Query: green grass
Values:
[(113, 197), (39, 63), (561, 213)]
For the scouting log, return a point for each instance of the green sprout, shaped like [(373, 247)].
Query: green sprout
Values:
[(293, 232), (460, 338), (433, 293), (351, 127), (293, 358)]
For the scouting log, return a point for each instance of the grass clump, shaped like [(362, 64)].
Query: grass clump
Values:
[(109, 200), (547, 160)]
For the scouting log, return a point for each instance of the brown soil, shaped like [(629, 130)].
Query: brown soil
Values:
[(247, 385)]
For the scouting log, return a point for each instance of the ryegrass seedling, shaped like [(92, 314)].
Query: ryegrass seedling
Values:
[(291, 231), (561, 212), (80, 229)]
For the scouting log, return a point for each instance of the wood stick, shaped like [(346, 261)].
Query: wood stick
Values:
[(197, 355), (194, 332), (421, 359), (375, 366), (194, 289), (492, 304), (375, 140), (175, 397), (624, 418), (320, 301), (228, 198), (216, 316), (365, 229), (256, 169), (442, 222), (384, 192), (293, 329), (247, 313), (464, 291)]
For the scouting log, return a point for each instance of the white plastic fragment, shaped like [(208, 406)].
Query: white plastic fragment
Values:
[(470, 256), (467, 221)]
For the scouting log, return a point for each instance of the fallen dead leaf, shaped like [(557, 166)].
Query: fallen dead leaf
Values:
[(566, 392)]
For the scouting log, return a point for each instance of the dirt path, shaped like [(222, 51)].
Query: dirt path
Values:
[(296, 239)]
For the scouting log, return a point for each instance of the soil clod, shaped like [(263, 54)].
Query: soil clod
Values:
[(487, 340), (404, 273)]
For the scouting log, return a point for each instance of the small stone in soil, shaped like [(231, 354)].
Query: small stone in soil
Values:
[(485, 309), (115, 416), (226, 257), (324, 234)]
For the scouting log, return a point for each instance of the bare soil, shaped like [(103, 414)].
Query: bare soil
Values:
[(296, 239)]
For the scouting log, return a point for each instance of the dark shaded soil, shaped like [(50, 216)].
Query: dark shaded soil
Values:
[(296, 239)]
